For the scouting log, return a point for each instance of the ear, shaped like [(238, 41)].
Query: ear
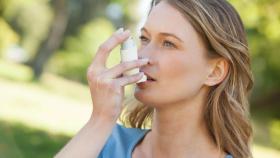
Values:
[(218, 70)]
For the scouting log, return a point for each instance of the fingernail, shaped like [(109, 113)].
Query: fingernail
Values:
[(120, 30)]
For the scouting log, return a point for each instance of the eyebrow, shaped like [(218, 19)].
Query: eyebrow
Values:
[(163, 33)]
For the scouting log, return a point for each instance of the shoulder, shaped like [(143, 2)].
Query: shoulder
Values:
[(121, 141)]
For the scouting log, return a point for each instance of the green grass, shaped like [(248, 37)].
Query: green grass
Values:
[(38, 118), (44, 107), (20, 141)]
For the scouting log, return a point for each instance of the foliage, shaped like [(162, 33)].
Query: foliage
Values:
[(262, 21), (72, 60), (7, 36), (30, 19), (275, 133)]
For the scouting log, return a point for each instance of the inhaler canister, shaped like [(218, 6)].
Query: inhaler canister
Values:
[(129, 53)]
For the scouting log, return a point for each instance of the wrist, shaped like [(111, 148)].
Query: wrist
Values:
[(104, 121)]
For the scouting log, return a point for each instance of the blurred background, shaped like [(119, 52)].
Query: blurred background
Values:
[(47, 45)]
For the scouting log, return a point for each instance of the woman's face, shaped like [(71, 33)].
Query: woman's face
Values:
[(177, 56)]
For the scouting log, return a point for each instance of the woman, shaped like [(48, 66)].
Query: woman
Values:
[(196, 97)]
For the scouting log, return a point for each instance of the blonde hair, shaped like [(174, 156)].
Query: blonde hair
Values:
[(227, 109)]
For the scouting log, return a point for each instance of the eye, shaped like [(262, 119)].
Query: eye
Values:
[(143, 39), (168, 44)]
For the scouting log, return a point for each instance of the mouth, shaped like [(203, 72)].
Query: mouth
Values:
[(149, 78)]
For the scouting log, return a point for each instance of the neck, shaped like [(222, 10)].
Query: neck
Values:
[(179, 130)]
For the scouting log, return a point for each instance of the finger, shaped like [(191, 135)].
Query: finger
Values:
[(105, 48), (125, 66), (126, 80)]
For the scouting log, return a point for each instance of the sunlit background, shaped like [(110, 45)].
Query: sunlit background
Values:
[(47, 45)]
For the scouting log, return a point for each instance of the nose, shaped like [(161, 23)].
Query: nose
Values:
[(151, 60), (146, 53)]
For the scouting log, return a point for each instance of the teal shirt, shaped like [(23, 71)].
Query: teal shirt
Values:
[(122, 142)]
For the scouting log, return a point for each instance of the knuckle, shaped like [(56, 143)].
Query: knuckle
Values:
[(106, 83), (132, 78), (89, 76), (135, 63), (89, 69), (103, 48), (125, 66), (101, 81), (91, 72), (110, 86), (118, 38)]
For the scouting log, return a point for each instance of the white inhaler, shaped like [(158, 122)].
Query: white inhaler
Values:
[(129, 53)]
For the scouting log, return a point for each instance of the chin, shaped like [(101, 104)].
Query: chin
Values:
[(144, 96), (148, 98)]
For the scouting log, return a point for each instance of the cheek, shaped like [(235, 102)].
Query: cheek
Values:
[(182, 77)]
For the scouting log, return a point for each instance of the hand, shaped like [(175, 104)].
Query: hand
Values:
[(107, 85)]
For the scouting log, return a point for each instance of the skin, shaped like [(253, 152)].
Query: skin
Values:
[(183, 76)]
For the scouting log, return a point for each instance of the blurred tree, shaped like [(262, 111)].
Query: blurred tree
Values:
[(2, 7), (7, 37), (29, 19), (53, 39), (69, 17), (43, 25), (72, 60), (262, 22)]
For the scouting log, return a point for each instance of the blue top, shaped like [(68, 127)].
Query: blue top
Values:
[(122, 142)]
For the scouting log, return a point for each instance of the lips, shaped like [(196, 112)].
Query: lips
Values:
[(149, 77), (150, 80)]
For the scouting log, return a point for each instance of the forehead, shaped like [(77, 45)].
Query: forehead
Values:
[(165, 18)]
